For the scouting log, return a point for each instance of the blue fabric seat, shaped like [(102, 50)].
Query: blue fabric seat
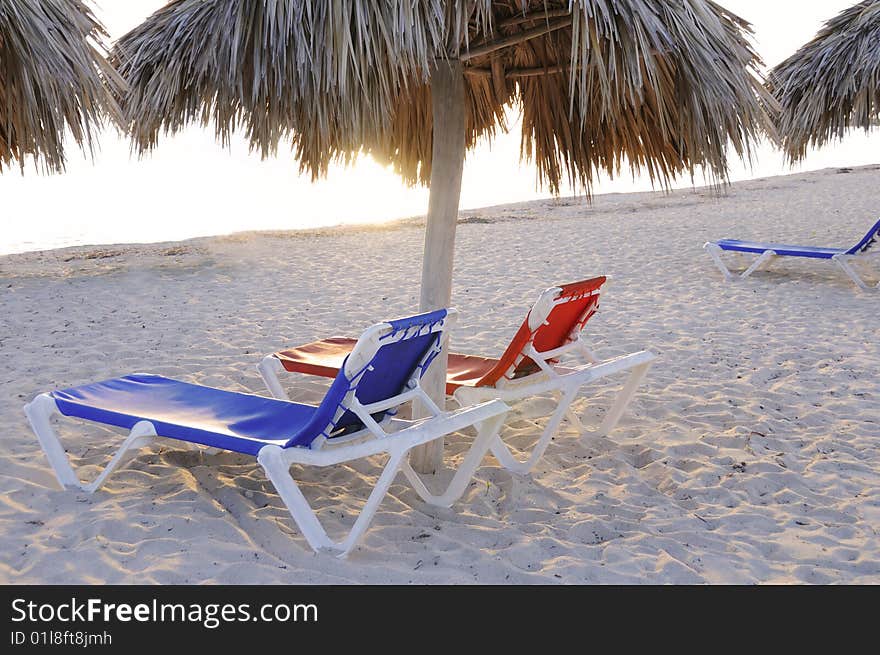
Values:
[(245, 423), (234, 421), (779, 248)]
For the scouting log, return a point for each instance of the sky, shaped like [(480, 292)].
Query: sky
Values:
[(191, 186)]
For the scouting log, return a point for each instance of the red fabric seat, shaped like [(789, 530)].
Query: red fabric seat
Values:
[(574, 305), (325, 358), (322, 358)]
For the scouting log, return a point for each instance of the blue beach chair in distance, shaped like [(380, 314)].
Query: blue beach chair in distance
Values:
[(842, 257), (354, 420)]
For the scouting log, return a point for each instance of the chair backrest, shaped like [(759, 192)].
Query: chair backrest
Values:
[(387, 360), (553, 321), (869, 240)]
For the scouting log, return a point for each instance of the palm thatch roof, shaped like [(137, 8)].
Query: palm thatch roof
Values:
[(54, 79), (832, 84), (668, 87)]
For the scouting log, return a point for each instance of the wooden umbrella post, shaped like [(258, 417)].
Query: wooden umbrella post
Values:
[(447, 162)]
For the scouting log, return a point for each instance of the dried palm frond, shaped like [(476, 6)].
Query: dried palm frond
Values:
[(665, 86), (832, 84), (54, 78)]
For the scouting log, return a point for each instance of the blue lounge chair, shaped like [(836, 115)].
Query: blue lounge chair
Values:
[(842, 257), (354, 420)]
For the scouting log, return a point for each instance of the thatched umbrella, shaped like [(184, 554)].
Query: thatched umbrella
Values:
[(665, 87), (54, 78), (832, 84)]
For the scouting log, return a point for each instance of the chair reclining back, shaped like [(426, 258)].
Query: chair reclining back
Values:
[(387, 360), (555, 320), (869, 240)]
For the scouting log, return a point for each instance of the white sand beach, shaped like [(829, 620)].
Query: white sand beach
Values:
[(750, 455)]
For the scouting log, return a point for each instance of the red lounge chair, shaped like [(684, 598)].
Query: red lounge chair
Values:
[(528, 366)]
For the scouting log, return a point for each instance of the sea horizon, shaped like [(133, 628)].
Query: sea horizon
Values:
[(153, 200), (190, 186)]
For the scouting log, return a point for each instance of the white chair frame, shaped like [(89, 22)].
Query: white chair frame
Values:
[(843, 261), (566, 382), (392, 437)]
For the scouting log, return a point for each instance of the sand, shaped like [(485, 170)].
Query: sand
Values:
[(750, 455)]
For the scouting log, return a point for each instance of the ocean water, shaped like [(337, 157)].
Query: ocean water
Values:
[(192, 187)]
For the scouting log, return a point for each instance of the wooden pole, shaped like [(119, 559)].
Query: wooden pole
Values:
[(513, 73), (519, 19), (447, 162), (486, 47)]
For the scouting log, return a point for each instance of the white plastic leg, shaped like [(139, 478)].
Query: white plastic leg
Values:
[(574, 419), (369, 510), (715, 253), (277, 468), (637, 363), (269, 369), (505, 456), (587, 352), (487, 431), (39, 413), (623, 399), (141, 435), (765, 256), (570, 414), (278, 471), (843, 262)]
